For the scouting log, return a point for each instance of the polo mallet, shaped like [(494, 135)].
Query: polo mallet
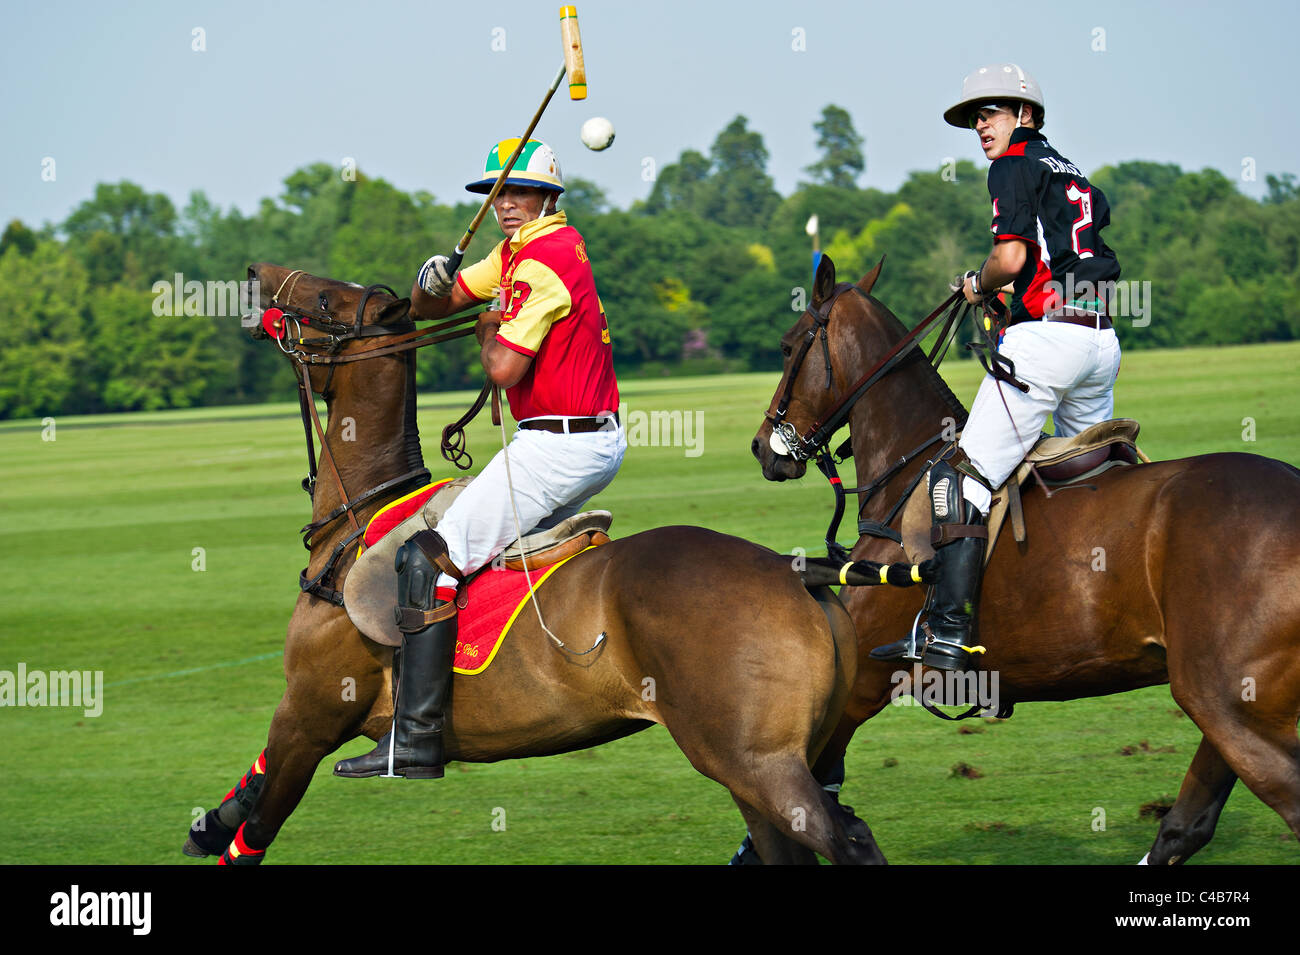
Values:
[(577, 70), (573, 65)]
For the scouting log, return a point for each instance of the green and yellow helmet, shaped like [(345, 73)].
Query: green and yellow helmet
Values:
[(536, 167)]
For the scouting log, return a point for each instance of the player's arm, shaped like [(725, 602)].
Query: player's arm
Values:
[(424, 306), (1013, 224), (511, 340), (439, 291), (1002, 266), (505, 367)]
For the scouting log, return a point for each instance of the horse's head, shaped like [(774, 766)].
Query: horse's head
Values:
[(315, 320), (820, 350), (322, 305)]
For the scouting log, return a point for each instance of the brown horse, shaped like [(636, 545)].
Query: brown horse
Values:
[(1202, 590), (750, 671)]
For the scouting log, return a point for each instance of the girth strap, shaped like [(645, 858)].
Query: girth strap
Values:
[(878, 529)]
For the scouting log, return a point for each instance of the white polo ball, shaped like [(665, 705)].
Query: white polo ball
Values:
[(597, 133)]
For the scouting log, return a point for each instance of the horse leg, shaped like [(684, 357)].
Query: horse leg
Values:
[(212, 834), (291, 758), (869, 698), (768, 845), (1259, 745), (307, 727), (1189, 825), (791, 810)]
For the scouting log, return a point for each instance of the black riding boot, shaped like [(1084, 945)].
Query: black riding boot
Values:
[(955, 602), (422, 676), (945, 638)]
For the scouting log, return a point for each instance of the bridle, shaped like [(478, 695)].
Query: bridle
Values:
[(815, 443), (277, 319), (327, 349), (821, 317)]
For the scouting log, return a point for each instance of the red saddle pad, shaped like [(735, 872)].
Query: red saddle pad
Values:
[(490, 603)]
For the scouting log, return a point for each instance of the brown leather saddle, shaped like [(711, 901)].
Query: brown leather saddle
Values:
[(1055, 462)]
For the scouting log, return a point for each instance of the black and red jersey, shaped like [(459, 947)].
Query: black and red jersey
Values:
[(1041, 197)]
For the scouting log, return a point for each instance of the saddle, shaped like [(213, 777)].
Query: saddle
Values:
[(370, 588), (1055, 462)]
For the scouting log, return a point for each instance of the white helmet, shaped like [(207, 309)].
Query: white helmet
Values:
[(993, 84), (536, 167)]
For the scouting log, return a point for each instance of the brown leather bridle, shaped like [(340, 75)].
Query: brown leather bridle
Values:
[(815, 442)]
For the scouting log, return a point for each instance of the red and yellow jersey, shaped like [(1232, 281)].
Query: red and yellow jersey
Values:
[(552, 314)]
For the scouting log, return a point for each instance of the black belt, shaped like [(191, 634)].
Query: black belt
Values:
[(576, 425), (1079, 317)]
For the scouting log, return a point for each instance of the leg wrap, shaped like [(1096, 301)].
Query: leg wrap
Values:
[(240, 853), (216, 830)]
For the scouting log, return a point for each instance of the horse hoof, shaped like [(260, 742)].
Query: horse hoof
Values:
[(193, 850)]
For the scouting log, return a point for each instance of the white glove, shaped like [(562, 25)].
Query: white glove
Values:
[(436, 277)]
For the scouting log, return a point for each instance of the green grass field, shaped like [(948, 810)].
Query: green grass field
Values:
[(99, 529)]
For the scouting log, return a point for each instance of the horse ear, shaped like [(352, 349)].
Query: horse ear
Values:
[(394, 311), (824, 282), (869, 279)]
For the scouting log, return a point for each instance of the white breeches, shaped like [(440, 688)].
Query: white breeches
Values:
[(1071, 373), (553, 476)]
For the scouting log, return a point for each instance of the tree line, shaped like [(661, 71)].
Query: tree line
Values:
[(703, 275)]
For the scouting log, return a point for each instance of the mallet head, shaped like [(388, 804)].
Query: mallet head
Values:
[(573, 64)]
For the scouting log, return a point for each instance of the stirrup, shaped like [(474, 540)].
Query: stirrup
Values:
[(911, 648), (947, 655)]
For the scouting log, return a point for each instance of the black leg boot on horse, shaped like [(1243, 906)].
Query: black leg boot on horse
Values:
[(421, 668), (946, 638)]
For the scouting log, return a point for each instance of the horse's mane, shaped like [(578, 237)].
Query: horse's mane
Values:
[(935, 380), (410, 427), (928, 371)]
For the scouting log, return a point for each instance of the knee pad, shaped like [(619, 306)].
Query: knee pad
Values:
[(945, 494), (418, 563), (950, 492)]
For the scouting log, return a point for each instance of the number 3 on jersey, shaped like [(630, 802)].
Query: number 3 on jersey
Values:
[(1083, 199)]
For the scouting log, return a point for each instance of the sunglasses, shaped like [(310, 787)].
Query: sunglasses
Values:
[(990, 108)]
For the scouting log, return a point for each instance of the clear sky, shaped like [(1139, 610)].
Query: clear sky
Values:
[(416, 92)]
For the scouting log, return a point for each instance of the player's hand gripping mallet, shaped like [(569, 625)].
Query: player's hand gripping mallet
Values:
[(577, 70)]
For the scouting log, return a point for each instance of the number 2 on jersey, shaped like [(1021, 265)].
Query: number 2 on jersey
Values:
[(1083, 199)]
